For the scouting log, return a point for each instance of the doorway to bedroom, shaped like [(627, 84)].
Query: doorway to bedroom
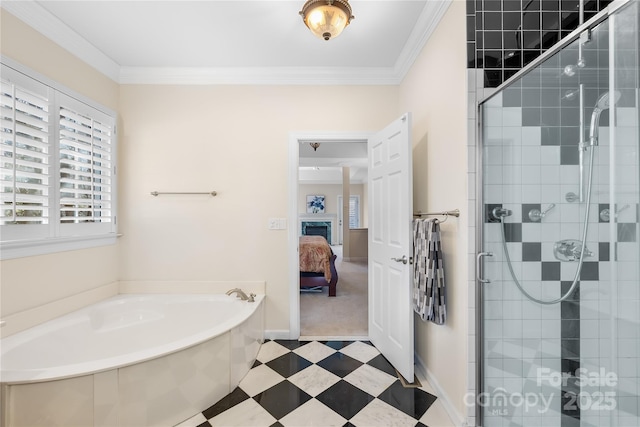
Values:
[(329, 172)]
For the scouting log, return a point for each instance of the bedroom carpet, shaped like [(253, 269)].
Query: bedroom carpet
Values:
[(344, 315)]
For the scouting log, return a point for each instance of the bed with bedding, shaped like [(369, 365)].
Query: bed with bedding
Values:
[(317, 264)]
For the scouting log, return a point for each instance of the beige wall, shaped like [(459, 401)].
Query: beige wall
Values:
[(435, 91), (232, 139), (29, 282)]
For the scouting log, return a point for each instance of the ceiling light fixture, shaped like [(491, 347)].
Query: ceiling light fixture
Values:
[(314, 145), (326, 18)]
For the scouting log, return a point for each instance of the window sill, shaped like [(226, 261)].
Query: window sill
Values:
[(12, 249)]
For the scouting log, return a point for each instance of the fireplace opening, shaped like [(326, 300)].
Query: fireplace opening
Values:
[(317, 230)]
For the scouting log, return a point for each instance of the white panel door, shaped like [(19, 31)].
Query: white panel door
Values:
[(390, 244)]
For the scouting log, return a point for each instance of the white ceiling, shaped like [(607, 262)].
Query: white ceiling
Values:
[(234, 42), (241, 42), (324, 165)]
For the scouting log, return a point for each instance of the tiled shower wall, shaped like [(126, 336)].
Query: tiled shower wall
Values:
[(524, 171), (504, 36), (602, 319)]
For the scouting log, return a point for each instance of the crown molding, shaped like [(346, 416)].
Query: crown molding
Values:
[(51, 27), (427, 23), (259, 76)]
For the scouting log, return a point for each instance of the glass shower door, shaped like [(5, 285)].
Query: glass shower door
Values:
[(560, 332)]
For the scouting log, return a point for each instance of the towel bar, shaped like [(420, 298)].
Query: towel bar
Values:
[(157, 193), (446, 214)]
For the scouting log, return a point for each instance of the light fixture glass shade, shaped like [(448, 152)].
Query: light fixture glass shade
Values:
[(326, 18)]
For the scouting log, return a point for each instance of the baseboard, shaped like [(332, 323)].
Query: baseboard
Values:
[(334, 338), (277, 334), (355, 259), (456, 417), (284, 334)]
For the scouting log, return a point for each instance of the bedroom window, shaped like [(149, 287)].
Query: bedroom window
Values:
[(57, 166), (354, 210)]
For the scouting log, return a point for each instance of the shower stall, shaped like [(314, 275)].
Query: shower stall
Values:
[(558, 250)]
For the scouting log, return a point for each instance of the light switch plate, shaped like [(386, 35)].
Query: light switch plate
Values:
[(277, 224)]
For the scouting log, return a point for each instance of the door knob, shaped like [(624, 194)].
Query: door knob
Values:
[(403, 260)]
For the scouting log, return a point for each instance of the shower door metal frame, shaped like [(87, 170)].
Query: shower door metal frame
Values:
[(479, 294)]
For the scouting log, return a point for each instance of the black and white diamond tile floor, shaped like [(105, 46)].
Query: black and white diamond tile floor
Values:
[(323, 383)]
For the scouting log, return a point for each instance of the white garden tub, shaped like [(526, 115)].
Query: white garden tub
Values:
[(131, 360)]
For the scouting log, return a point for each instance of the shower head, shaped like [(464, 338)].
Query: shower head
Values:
[(605, 102)]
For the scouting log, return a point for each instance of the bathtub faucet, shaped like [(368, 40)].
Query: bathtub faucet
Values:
[(240, 293)]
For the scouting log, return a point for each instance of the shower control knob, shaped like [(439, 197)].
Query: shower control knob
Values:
[(605, 214), (535, 215)]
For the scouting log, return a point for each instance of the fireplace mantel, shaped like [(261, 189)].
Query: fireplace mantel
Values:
[(320, 218)]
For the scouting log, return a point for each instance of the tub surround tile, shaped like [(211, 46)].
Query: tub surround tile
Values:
[(105, 397), (335, 390), (64, 402), (150, 392)]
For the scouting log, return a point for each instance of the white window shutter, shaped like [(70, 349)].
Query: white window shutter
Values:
[(354, 212), (86, 164), (57, 167), (26, 167)]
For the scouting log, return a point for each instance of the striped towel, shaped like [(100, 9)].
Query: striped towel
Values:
[(428, 271)]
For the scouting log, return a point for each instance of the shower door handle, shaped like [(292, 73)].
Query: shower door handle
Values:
[(478, 264)]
